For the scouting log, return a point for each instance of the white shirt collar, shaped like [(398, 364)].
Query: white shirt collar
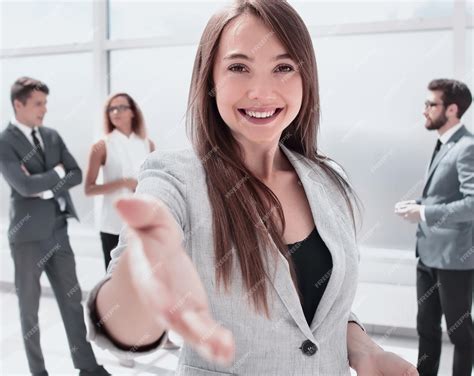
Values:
[(447, 135), (26, 130)]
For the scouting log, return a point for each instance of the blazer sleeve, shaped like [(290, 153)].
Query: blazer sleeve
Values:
[(461, 210), (162, 178), (25, 185), (354, 318), (73, 175)]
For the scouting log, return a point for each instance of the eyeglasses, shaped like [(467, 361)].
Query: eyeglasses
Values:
[(119, 108), (432, 104)]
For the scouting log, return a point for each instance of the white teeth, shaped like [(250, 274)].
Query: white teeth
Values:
[(260, 114)]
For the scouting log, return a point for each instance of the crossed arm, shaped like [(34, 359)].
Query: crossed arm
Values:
[(28, 185)]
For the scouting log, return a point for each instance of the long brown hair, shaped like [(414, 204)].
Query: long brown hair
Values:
[(138, 121), (247, 215)]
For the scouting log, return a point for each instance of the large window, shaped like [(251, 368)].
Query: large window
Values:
[(168, 19), (375, 59), (322, 12), (160, 87), (43, 23), (372, 92)]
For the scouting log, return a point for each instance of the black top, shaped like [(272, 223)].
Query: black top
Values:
[(313, 265)]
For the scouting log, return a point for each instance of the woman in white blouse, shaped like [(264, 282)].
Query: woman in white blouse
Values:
[(120, 154)]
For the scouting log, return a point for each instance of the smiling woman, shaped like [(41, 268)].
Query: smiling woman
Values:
[(211, 232)]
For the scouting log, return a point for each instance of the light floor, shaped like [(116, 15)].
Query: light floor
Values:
[(58, 362)]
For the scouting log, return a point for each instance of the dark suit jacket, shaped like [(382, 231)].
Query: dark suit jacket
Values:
[(445, 240), (32, 218)]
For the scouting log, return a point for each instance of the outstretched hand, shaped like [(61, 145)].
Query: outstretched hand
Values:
[(166, 280)]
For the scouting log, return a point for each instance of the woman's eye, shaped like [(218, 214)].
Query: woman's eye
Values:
[(238, 68), (284, 69)]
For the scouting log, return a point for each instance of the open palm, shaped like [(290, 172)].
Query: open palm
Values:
[(167, 281)]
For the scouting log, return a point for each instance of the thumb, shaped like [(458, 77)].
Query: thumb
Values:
[(142, 211)]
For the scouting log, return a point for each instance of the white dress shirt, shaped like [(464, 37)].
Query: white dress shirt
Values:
[(26, 130), (443, 138)]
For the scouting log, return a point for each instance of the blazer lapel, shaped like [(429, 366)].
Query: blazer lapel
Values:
[(283, 284), (442, 153), (19, 135), (25, 142), (326, 223)]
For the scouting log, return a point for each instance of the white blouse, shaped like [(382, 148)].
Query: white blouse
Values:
[(124, 157)]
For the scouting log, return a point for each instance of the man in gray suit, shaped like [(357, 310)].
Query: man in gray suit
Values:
[(40, 171), (445, 216)]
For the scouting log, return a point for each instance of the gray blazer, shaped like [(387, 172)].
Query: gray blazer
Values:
[(263, 346), (445, 240), (32, 218)]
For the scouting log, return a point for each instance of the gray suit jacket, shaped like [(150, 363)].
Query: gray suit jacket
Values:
[(263, 347), (445, 240), (32, 218)]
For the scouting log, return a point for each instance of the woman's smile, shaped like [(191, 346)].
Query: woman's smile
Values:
[(260, 116)]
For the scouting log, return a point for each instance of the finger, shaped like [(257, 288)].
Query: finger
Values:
[(141, 211), (404, 210), (401, 206), (24, 169), (405, 203), (209, 338)]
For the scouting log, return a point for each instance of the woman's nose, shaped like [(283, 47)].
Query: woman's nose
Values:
[(261, 89)]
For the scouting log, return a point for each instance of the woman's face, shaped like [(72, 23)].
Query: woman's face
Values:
[(120, 114), (257, 85)]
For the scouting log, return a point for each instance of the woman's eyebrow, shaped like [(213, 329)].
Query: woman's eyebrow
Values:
[(283, 56), (239, 55)]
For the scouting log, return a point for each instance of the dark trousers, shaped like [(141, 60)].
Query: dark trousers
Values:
[(56, 258), (109, 242), (447, 292)]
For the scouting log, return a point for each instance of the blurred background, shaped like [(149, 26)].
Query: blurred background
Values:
[(375, 59)]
